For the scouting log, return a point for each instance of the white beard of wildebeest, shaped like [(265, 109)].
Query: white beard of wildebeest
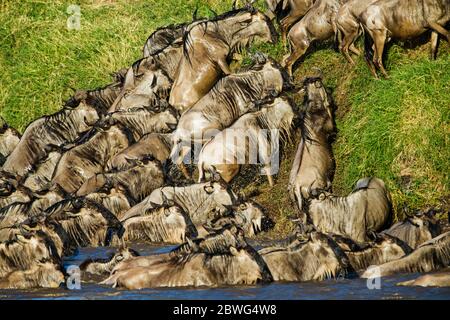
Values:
[(230, 98), (216, 39)]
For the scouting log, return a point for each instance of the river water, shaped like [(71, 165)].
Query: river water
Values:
[(329, 289)]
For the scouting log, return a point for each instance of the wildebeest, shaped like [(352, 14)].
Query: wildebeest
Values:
[(437, 279), (42, 274), (18, 212), (207, 46), (49, 133), (142, 121), (248, 141), (9, 139), (314, 257), (137, 182), (144, 85), (230, 98), (162, 38), (384, 249), (29, 260), (224, 258), (89, 158), (313, 165), (198, 200), (105, 266), (416, 229), (40, 179), (398, 19), (317, 24), (429, 256), (348, 26), (113, 199), (366, 209), (297, 9), (248, 216), (156, 145), (168, 224), (86, 222)]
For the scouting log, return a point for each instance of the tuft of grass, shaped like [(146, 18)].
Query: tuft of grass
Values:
[(396, 129)]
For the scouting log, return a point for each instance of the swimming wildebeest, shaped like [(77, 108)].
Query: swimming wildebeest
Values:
[(105, 266), (89, 158), (137, 182), (313, 165), (230, 98), (86, 222), (144, 85), (249, 140), (169, 224), (429, 256), (366, 209), (314, 257), (437, 279), (398, 19), (348, 26), (43, 274), (318, 24), (416, 229), (49, 133), (9, 139), (207, 47), (297, 9), (383, 249), (29, 260), (156, 145), (224, 258)]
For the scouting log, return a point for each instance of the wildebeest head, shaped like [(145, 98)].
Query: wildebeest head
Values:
[(318, 104), (105, 266)]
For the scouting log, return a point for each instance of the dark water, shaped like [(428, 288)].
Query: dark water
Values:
[(330, 289)]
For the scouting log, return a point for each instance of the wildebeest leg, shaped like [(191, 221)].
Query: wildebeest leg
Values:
[(438, 28), (379, 42), (286, 23), (297, 52), (368, 53), (269, 175), (354, 49), (434, 44), (344, 46)]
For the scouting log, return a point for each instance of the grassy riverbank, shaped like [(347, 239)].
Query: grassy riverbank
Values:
[(396, 129)]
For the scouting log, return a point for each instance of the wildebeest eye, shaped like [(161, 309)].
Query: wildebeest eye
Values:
[(322, 196), (318, 84), (243, 206)]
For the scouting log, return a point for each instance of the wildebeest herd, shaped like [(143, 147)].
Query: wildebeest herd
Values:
[(110, 169)]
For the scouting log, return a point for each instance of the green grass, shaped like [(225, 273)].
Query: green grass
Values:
[(396, 129)]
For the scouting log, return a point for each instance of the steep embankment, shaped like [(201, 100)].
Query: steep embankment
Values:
[(396, 129)]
